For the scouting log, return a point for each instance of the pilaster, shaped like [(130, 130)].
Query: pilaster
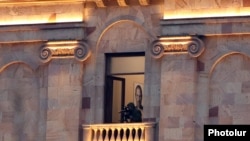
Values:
[(64, 87), (178, 85)]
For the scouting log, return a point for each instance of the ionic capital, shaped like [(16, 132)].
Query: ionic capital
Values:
[(144, 2), (64, 49), (179, 44), (122, 3)]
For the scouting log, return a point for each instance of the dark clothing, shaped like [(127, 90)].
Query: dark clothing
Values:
[(132, 114), (136, 116)]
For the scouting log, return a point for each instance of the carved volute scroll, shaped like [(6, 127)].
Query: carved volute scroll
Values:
[(100, 3), (144, 2), (64, 49), (45, 54), (179, 44), (157, 50), (122, 2), (81, 52)]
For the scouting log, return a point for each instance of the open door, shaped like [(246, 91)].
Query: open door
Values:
[(114, 99)]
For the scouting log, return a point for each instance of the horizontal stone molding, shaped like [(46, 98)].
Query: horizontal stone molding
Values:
[(64, 49), (179, 44), (210, 26), (99, 3), (42, 32)]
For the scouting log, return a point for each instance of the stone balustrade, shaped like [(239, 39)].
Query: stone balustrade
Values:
[(119, 132)]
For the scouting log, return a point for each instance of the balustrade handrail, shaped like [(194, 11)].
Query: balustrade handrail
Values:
[(151, 124), (119, 131)]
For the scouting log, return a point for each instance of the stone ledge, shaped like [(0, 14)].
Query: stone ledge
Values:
[(41, 32), (99, 3), (206, 26)]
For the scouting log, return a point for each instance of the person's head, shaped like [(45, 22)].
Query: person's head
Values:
[(138, 95), (131, 106)]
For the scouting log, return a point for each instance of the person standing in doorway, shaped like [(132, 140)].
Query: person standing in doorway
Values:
[(138, 97)]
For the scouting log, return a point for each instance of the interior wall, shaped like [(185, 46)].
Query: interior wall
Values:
[(116, 108), (130, 82), (135, 64)]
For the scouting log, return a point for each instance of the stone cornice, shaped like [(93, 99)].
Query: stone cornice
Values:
[(178, 44), (42, 32), (41, 26), (99, 3), (205, 20), (206, 26)]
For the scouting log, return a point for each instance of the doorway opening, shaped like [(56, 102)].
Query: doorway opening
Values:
[(124, 73)]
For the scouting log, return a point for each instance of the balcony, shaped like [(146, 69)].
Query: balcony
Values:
[(119, 132)]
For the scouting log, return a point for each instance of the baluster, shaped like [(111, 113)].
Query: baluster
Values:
[(139, 131), (123, 138), (106, 138), (112, 134), (136, 134), (130, 137), (95, 135), (101, 135), (98, 135), (118, 138), (142, 134)]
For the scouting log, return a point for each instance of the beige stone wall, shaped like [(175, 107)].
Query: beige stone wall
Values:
[(38, 101), (210, 89), (120, 29), (49, 101), (222, 84), (61, 88), (178, 97), (22, 115), (229, 101), (221, 88), (204, 8), (64, 99), (40, 13)]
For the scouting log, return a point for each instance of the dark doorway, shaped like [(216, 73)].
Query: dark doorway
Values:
[(121, 71), (115, 93)]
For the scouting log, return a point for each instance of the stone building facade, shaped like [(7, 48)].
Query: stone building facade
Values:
[(53, 64)]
